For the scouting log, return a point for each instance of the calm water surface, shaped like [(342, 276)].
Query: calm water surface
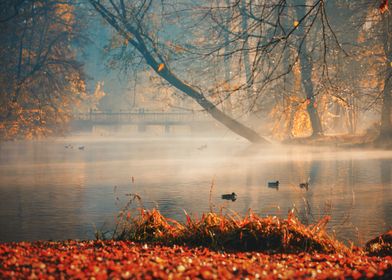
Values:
[(48, 191)]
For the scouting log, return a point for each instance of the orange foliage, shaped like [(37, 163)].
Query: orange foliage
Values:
[(384, 6), (301, 126), (65, 12), (160, 67), (291, 117), (40, 96)]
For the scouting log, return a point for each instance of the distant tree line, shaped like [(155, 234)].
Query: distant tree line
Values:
[(289, 68)]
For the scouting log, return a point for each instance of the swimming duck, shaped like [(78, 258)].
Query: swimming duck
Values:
[(232, 196), (304, 185), (202, 147), (274, 185)]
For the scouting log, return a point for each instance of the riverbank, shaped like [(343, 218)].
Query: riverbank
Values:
[(343, 141), (125, 259), (212, 247)]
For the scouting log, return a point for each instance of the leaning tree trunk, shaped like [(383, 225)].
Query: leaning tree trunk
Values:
[(306, 67), (386, 125), (157, 63), (217, 114)]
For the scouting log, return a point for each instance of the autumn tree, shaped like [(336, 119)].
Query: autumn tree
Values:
[(317, 42), (362, 82), (306, 66), (41, 79)]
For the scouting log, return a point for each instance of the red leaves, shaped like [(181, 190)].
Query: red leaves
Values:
[(384, 6), (123, 259), (381, 245), (188, 218)]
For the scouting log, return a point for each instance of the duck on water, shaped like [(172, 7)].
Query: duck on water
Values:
[(231, 196), (273, 185)]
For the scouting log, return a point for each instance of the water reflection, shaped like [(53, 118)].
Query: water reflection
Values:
[(50, 192)]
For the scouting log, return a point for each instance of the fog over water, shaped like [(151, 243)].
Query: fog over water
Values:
[(55, 189)]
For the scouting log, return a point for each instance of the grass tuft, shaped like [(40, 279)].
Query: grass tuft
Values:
[(226, 232), (381, 245)]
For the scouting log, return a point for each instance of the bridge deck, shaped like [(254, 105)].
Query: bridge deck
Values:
[(144, 118)]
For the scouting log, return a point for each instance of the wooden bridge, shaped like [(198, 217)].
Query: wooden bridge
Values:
[(143, 119)]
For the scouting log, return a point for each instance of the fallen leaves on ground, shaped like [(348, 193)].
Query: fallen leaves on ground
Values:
[(125, 259), (381, 245)]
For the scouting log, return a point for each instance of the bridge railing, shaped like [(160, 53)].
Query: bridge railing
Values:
[(142, 117)]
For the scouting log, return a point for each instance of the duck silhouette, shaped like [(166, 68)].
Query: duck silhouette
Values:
[(273, 185), (231, 196), (304, 185), (202, 147)]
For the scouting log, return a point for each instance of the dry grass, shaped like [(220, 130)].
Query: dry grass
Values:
[(227, 232), (381, 245)]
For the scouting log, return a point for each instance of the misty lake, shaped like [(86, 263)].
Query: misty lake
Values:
[(66, 187)]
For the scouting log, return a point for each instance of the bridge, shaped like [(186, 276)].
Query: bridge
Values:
[(143, 119)]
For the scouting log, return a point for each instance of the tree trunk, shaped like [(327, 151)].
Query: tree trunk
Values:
[(386, 126), (217, 114), (306, 67)]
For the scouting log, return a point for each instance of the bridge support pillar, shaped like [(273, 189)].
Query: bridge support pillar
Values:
[(192, 127), (141, 128), (167, 129)]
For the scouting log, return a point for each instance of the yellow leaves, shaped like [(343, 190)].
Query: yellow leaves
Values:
[(160, 67), (295, 120), (87, 101), (65, 12), (99, 92), (76, 85), (301, 125), (36, 119), (25, 123), (295, 23)]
